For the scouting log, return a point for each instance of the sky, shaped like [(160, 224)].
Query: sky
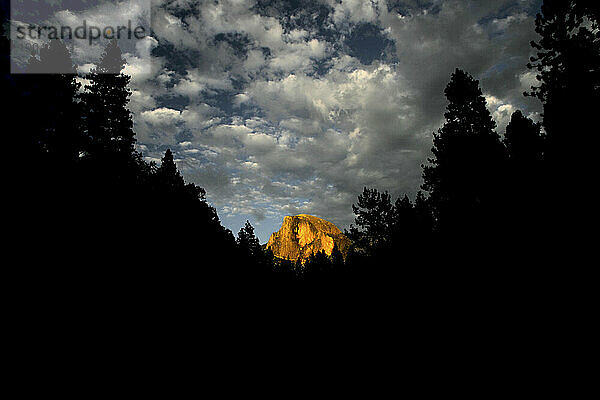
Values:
[(279, 108)]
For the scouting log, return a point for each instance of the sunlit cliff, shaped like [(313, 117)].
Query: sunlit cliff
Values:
[(302, 235)]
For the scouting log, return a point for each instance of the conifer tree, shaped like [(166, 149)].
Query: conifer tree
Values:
[(248, 242), (373, 217), (285, 270), (568, 68), (524, 141), (56, 131), (108, 121), (167, 173), (525, 197), (464, 176), (403, 213), (317, 268), (424, 217), (567, 63), (337, 258), (404, 222)]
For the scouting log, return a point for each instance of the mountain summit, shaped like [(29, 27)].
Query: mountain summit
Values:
[(302, 235)]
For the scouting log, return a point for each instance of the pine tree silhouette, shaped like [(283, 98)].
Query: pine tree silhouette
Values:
[(317, 269), (108, 121), (464, 177), (568, 55), (524, 141), (337, 259), (248, 242), (55, 135), (524, 198), (568, 70), (373, 217), (424, 218), (167, 175)]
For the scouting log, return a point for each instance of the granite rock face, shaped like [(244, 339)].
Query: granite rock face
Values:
[(302, 235)]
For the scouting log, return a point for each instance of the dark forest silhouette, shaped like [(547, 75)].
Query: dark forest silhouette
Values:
[(492, 209)]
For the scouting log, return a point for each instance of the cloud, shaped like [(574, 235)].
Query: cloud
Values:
[(354, 11), (501, 111), (274, 107), (162, 116), (159, 125)]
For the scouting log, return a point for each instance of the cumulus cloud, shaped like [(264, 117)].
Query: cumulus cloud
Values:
[(275, 109), (354, 11), (158, 125)]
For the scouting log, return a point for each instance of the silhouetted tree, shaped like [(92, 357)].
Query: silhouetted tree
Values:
[(524, 141), (524, 191), (337, 259), (55, 134), (167, 173), (404, 214), (413, 223), (525, 147), (373, 217), (108, 121), (49, 137), (464, 176), (248, 242), (568, 69), (255, 264), (567, 64), (317, 269), (285, 270), (424, 217)]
